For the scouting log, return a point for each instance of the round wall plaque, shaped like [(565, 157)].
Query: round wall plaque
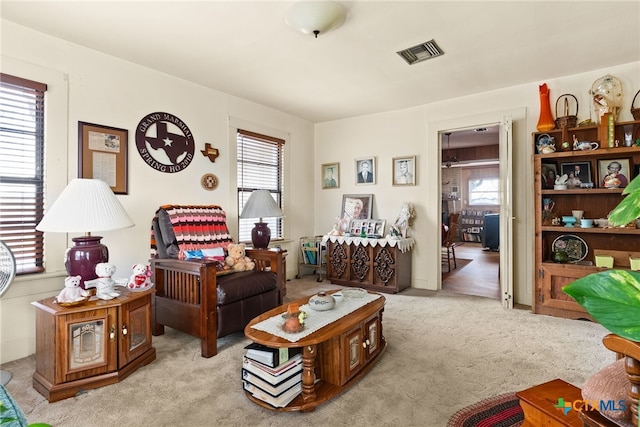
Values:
[(209, 181), (165, 142)]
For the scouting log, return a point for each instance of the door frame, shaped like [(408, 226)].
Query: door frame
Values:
[(505, 123)]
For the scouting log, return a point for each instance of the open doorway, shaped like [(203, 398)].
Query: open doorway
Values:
[(470, 182)]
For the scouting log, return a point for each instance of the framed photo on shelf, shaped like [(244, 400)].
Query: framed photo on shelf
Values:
[(102, 154), (578, 173), (548, 173), (371, 227), (404, 170), (356, 206), (330, 175), (366, 171), (614, 173)]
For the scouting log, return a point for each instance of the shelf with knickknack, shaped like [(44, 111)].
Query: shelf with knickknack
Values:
[(595, 194), (471, 225)]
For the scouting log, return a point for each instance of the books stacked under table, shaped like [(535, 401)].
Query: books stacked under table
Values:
[(272, 375)]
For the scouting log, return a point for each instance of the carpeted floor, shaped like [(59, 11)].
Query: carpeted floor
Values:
[(445, 351), (498, 411)]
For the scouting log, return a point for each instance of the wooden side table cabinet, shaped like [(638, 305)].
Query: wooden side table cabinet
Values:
[(91, 345)]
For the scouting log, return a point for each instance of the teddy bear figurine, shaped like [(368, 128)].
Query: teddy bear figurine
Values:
[(140, 277), (104, 284), (237, 259), (72, 291)]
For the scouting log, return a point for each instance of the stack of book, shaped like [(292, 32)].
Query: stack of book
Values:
[(272, 375)]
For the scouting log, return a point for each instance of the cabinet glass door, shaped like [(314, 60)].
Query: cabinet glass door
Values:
[(87, 344)]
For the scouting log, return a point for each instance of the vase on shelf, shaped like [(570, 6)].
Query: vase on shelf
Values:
[(545, 121)]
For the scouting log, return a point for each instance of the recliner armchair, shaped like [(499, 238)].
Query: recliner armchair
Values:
[(193, 295)]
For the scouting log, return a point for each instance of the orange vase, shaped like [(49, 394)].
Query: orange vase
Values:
[(545, 122)]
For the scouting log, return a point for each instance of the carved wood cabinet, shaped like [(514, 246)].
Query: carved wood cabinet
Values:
[(378, 267), (91, 345)]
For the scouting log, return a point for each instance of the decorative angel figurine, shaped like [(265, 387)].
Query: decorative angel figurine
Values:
[(339, 227), (403, 222)]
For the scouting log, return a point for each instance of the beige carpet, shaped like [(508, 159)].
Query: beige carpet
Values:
[(445, 352)]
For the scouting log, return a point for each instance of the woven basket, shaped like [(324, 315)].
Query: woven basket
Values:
[(635, 111), (567, 120)]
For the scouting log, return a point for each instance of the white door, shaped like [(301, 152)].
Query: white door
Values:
[(506, 212)]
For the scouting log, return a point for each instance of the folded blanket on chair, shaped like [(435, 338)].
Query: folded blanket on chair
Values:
[(191, 227)]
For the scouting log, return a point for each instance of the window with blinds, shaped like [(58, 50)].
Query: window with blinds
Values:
[(260, 163), (22, 170)]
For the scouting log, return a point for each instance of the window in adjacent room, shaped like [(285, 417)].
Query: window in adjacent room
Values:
[(260, 166), (22, 170), (484, 191)]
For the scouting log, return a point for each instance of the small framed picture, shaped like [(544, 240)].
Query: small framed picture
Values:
[(330, 175), (356, 206), (548, 173), (578, 173), (404, 170), (614, 173), (366, 170), (102, 154)]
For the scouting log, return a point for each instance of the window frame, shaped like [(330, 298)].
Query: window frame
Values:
[(254, 179), (18, 231), (497, 191)]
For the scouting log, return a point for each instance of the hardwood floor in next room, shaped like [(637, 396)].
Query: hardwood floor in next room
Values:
[(478, 277)]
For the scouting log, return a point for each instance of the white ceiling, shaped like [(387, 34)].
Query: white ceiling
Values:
[(245, 49)]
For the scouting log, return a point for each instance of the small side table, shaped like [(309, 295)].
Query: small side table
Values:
[(91, 345), (538, 404)]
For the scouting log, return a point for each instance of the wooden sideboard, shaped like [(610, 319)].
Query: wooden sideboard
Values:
[(379, 265)]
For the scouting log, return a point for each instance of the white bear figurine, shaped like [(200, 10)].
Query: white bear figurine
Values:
[(104, 284), (72, 291), (140, 278)]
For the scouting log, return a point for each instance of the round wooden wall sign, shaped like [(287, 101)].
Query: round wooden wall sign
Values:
[(209, 181)]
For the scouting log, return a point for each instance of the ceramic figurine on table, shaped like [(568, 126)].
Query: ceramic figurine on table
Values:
[(403, 222), (104, 284), (140, 278), (72, 291)]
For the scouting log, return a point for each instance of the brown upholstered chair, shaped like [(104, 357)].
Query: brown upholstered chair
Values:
[(193, 295), (449, 244)]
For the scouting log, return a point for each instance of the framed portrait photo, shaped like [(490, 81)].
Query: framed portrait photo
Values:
[(330, 175), (102, 154), (578, 173), (356, 206), (614, 173), (365, 170), (404, 170), (548, 174)]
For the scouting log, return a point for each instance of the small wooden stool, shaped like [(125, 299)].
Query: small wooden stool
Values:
[(538, 404)]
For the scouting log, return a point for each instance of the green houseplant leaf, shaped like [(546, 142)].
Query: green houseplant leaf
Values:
[(629, 208), (612, 297)]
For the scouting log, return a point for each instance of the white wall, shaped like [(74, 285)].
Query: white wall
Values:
[(84, 85), (88, 86), (415, 132)]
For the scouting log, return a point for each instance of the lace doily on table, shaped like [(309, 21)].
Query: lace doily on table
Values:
[(402, 244), (316, 319)]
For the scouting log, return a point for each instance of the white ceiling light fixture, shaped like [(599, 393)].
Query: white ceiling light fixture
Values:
[(314, 17)]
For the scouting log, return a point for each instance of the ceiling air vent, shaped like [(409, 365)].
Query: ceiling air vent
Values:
[(421, 52)]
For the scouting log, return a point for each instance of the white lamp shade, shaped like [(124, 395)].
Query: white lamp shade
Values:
[(261, 205), (311, 16), (85, 206)]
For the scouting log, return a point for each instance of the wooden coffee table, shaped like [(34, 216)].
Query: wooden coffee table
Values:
[(539, 405), (338, 354)]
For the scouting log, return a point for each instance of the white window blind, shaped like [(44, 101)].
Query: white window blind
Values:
[(260, 164), (22, 170)]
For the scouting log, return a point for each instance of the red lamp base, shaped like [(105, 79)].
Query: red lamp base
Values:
[(81, 259), (260, 235)]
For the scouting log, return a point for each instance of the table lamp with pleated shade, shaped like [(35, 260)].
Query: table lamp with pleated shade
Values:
[(85, 206), (261, 205)]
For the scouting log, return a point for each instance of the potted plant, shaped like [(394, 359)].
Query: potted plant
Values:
[(612, 297)]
